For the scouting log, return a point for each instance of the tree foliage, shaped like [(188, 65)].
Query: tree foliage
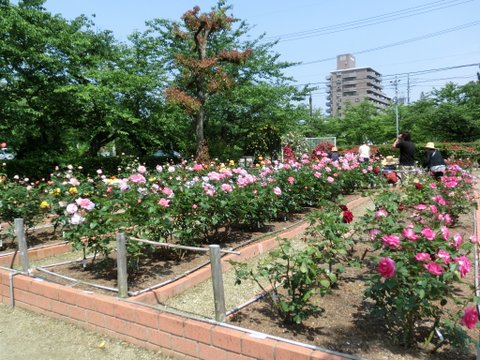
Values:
[(67, 89)]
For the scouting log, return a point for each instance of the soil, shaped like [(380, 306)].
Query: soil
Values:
[(156, 265), (344, 323), (44, 235)]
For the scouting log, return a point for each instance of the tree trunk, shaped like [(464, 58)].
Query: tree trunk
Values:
[(98, 141), (199, 134)]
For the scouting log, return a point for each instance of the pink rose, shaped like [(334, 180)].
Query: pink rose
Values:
[(141, 169), (381, 213), (74, 182), (164, 202), (444, 255), (445, 232), (474, 239), (470, 317), (392, 241), (137, 179), (85, 203), (226, 187), (167, 191), (77, 219), (409, 234), (317, 174), (291, 179), (433, 268), (457, 241), (72, 209), (433, 209), (428, 233), (374, 233), (463, 265), (197, 167), (422, 256), (330, 179), (277, 191), (386, 267)]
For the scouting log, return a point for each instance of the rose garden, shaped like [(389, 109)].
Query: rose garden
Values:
[(418, 257), (174, 190)]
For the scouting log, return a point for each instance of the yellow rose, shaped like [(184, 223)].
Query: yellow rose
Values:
[(44, 205), (152, 179), (56, 191), (231, 163), (73, 190)]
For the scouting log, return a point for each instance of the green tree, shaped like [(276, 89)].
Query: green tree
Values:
[(229, 86), (447, 114)]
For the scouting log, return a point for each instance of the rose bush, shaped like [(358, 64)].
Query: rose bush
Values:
[(420, 262)]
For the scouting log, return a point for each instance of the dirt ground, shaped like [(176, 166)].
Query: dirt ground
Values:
[(345, 325), (30, 336)]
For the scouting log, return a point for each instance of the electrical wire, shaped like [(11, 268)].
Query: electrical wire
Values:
[(370, 21), (402, 42), (404, 74)]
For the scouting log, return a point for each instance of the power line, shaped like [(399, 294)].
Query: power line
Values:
[(402, 42), (405, 74), (428, 71), (370, 21)]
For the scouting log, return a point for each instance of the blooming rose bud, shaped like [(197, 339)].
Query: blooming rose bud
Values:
[(386, 267)]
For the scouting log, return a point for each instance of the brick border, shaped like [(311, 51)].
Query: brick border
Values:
[(140, 324)]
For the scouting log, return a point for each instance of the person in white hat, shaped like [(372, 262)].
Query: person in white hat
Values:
[(434, 161)]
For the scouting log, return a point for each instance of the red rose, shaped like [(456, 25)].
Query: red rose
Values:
[(376, 170), (343, 207), (347, 216), (418, 186)]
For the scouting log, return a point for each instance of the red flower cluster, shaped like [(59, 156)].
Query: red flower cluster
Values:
[(376, 170), (419, 186), (347, 216), (288, 154)]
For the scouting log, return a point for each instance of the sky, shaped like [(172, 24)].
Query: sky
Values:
[(409, 40)]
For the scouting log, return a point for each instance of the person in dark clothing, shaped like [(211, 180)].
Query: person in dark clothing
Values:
[(407, 149), (333, 154), (406, 161), (434, 161)]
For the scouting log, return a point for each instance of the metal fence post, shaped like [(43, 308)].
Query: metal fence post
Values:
[(217, 281), (122, 275), (22, 244)]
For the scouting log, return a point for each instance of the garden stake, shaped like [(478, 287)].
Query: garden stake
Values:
[(122, 275), (22, 244), (217, 281)]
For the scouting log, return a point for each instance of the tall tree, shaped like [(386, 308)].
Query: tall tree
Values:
[(201, 69), (213, 67)]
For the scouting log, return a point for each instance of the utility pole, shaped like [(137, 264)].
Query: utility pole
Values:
[(395, 84), (310, 104), (408, 88)]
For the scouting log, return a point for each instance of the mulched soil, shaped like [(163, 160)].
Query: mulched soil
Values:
[(160, 264)]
